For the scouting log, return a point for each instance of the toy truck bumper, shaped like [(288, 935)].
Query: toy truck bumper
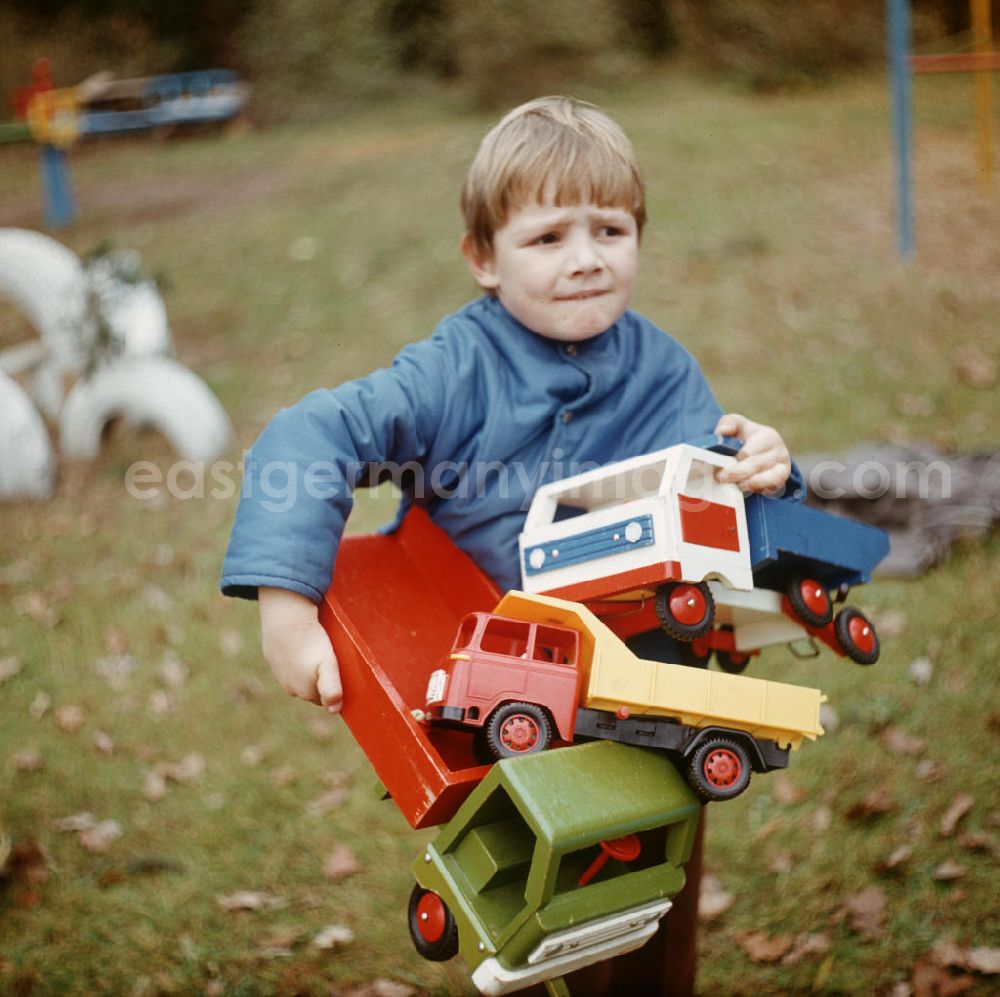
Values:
[(573, 949)]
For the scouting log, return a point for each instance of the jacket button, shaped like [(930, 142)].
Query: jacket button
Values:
[(567, 416), (571, 349)]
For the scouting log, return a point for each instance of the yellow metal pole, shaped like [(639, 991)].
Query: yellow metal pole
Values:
[(982, 35)]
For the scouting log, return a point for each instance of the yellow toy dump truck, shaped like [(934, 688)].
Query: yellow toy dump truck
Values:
[(539, 668)]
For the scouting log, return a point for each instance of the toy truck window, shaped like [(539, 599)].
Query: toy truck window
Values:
[(555, 645), (700, 481), (466, 631), (505, 637)]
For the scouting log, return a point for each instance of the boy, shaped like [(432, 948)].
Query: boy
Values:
[(547, 372)]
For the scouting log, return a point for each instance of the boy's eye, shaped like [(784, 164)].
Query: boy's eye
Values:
[(547, 239), (610, 231)]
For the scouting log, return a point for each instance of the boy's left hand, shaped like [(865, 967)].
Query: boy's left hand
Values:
[(763, 463)]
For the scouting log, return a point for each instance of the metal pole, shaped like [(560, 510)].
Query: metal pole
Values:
[(982, 35), (898, 17)]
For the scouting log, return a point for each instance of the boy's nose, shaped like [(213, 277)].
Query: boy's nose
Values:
[(584, 257)]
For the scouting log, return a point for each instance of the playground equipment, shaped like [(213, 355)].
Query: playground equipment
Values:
[(102, 352), (57, 118), (982, 61)]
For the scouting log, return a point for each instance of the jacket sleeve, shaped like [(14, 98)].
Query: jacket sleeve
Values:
[(300, 475)]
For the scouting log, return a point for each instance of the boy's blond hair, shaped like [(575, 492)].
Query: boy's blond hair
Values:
[(557, 147)]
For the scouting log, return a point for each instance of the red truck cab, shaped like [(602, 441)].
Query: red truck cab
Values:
[(497, 671)]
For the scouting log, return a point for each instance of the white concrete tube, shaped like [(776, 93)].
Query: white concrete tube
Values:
[(27, 464), (147, 391)]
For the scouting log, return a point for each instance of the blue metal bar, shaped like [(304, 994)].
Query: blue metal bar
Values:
[(898, 18), (57, 188)]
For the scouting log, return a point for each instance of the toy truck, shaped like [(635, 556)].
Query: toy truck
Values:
[(538, 668), (554, 862), (659, 540)]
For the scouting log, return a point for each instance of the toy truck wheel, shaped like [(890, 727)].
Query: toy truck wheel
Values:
[(856, 636), (719, 769), (518, 729), (432, 925), (685, 610), (810, 601)]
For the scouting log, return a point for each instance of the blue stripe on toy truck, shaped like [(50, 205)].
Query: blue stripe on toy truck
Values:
[(616, 538)]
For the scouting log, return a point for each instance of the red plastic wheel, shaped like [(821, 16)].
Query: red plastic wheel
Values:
[(688, 605), (810, 601), (862, 634), (431, 917), (722, 768), (519, 733)]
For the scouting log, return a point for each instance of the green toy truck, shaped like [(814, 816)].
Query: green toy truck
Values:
[(555, 861)]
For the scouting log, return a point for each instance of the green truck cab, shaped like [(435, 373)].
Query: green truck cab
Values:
[(555, 861)]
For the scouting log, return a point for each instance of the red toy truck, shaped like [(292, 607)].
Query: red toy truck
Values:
[(540, 668)]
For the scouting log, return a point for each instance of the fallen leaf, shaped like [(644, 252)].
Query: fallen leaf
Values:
[(896, 860), (115, 669), (75, 822), (35, 605), (948, 871), (70, 717), (921, 671), (960, 806), (974, 367), (822, 818), (279, 944), (284, 776), (103, 743), (899, 742), (115, 641), (160, 702), (321, 727), (829, 718), (983, 960), (782, 862), (785, 791), (154, 786), (806, 944), (230, 643), (976, 841), (156, 598), (333, 935), (914, 406), (761, 948), (252, 755), (931, 980), (713, 899), (328, 801), (928, 770), (874, 804), (340, 863), (173, 672), (28, 860), (390, 988), (99, 837), (250, 900), (9, 667), (189, 769), (891, 623), (866, 911), (28, 760), (40, 705)]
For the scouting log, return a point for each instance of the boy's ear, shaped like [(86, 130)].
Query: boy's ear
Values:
[(481, 265)]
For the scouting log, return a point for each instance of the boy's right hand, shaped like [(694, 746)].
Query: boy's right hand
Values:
[(298, 649)]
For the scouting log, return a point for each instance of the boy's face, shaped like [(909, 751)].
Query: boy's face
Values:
[(566, 272)]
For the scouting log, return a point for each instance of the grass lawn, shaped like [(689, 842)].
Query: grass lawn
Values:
[(301, 256)]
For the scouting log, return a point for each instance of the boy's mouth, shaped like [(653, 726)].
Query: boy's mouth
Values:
[(581, 295)]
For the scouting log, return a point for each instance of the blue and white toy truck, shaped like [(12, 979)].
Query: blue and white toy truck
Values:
[(659, 540)]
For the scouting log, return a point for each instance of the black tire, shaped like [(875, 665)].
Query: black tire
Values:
[(702, 612), (719, 769), (856, 636), (432, 926), (516, 729), (733, 662), (687, 655), (810, 600)]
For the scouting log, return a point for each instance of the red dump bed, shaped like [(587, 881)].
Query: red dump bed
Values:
[(392, 613)]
